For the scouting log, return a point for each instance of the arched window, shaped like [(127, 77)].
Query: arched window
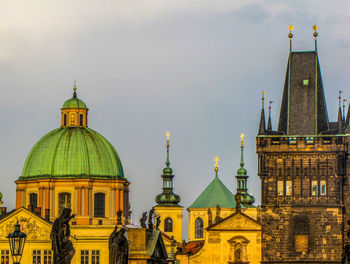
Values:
[(238, 252), (33, 200), (199, 228), (64, 201), (99, 205), (168, 225), (65, 119), (81, 119)]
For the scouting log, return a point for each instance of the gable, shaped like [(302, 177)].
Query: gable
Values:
[(36, 228), (236, 221)]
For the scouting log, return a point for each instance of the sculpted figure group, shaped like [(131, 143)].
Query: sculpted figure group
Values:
[(63, 250)]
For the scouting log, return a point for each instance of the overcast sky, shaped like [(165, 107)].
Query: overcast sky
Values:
[(194, 67)]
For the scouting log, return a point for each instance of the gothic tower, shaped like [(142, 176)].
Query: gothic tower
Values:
[(302, 171)]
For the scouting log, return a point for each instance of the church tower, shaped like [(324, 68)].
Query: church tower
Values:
[(168, 208), (302, 166)]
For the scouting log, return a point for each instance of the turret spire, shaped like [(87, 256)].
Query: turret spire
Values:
[(340, 116), (290, 36), (315, 35), (242, 178), (168, 197), (269, 124), (262, 126)]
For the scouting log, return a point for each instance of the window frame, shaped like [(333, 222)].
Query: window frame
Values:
[(198, 228), (168, 225), (99, 211)]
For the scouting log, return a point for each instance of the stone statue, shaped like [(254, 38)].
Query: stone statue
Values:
[(150, 219), (118, 247), (157, 222), (143, 220), (119, 217), (210, 217), (62, 247)]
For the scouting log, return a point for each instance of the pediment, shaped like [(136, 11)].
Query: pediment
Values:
[(35, 227), (236, 221)]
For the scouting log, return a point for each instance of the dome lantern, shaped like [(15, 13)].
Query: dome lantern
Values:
[(74, 111)]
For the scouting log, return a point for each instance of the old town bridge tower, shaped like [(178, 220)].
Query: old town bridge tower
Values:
[(303, 167)]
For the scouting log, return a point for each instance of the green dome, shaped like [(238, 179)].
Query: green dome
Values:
[(72, 152), (74, 102)]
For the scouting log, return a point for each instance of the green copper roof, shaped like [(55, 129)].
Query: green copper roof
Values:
[(74, 102), (215, 194), (72, 152)]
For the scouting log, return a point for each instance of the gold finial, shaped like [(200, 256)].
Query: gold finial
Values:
[(339, 98), (263, 98), (290, 35), (315, 27), (216, 163), (75, 86), (242, 140), (167, 138), (270, 103)]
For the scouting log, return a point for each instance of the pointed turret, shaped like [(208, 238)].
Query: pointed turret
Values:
[(242, 181), (168, 197), (340, 122), (303, 106), (347, 120), (262, 126), (269, 124)]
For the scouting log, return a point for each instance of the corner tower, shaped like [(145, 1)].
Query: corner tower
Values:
[(168, 207), (302, 168)]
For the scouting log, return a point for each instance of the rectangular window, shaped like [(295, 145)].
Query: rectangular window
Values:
[(47, 257), (36, 256), (95, 257), (5, 257), (81, 120), (305, 82), (280, 188), (84, 257), (314, 188), (323, 188), (288, 187)]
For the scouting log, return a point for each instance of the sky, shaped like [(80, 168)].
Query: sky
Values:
[(196, 68)]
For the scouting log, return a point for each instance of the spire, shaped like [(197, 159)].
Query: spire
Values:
[(262, 126), (242, 178), (269, 125), (344, 100), (290, 36), (303, 105), (168, 198), (75, 89), (314, 27), (340, 116), (347, 120)]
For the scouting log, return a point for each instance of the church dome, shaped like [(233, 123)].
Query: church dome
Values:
[(73, 151)]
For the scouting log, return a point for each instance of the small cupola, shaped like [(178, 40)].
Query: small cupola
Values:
[(74, 111)]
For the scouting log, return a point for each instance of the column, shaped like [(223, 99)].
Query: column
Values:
[(41, 200), (117, 203), (44, 202), (75, 207), (112, 203), (90, 202), (53, 203), (23, 198), (127, 204), (52, 209), (82, 205), (80, 201), (47, 204), (121, 201), (86, 201)]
